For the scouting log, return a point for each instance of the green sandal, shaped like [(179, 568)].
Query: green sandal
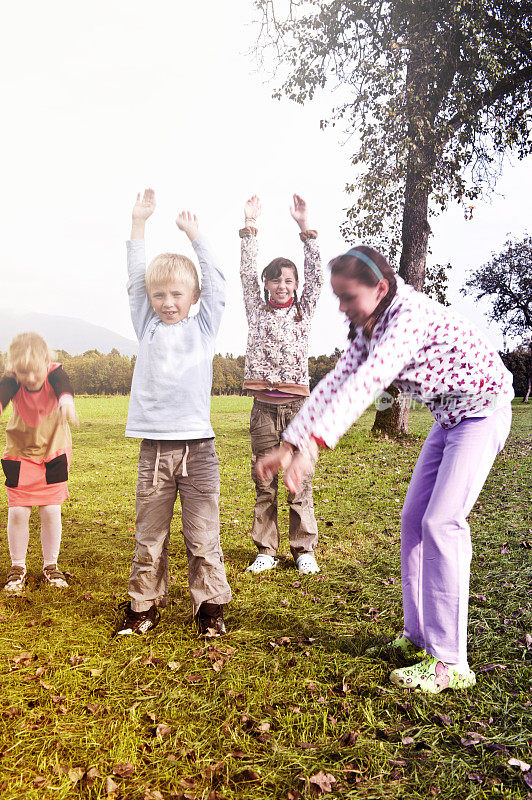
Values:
[(401, 648), (432, 676)]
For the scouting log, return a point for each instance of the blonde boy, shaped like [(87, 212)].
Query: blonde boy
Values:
[(169, 410)]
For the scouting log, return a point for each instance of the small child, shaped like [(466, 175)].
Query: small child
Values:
[(37, 455), (276, 373), (443, 361), (169, 410)]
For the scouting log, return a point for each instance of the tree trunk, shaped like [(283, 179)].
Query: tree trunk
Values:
[(393, 422)]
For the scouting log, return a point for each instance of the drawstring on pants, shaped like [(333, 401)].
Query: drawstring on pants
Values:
[(184, 464), (156, 468)]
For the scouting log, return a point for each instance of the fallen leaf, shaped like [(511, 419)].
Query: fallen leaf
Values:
[(218, 665), (407, 740), (75, 659), (187, 783), (238, 754), (516, 762), (39, 781), (193, 678), (471, 738), (491, 667), (111, 788), (162, 730), (153, 794), (322, 782), (94, 673), (94, 708), (150, 660), (173, 665), (23, 658), (125, 770), (92, 774), (76, 774), (476, 777)]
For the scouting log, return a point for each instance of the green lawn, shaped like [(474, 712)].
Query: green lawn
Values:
[(288, 693)]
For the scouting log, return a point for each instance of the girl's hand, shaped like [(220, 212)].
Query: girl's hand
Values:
[(67, 413), (144, 208), (302, 464), (270, 463), (252, 210), (188, 223), (299, 212)]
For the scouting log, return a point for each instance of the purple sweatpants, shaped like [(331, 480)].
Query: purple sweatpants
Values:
[(435, 542)]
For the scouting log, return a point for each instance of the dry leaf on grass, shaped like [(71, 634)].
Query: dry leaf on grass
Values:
[(322, 782), (516, 762), (111, 788), (125, 770), (162, 730)]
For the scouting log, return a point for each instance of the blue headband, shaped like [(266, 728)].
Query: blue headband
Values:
[(367, 260)]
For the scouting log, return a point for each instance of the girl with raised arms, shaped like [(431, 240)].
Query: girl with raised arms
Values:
[(276, 374)]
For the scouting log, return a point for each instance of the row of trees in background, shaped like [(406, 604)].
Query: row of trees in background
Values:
[(99, 374)]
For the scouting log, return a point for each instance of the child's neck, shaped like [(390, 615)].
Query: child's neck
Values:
[(280, 305)]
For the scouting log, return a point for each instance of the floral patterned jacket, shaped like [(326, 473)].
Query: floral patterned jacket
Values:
[(277, 346), (427, 351)]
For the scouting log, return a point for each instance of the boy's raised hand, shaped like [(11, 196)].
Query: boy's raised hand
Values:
[(252, 209), (188, 223), (298, 210), (144, 207)]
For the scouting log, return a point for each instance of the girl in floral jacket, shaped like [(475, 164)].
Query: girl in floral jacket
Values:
[(443, 361), (276, 373)]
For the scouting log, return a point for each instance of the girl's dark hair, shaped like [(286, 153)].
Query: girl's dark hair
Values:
[(273, 270), (355, 268)]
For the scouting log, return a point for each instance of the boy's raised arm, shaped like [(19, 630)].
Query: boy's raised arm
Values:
[(212, 278), (139, 303)]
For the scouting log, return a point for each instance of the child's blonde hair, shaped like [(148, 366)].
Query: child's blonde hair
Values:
[(171, 267), (28, 350)]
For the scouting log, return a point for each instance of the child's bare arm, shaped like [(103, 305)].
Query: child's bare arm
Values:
[(142, 209)]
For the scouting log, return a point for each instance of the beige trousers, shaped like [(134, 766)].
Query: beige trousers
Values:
[(267, 423), (166, 467)]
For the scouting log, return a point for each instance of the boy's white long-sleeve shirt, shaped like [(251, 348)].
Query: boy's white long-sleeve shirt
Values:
[(172, 380), (426, 351)]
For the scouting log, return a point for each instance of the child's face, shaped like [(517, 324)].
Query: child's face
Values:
[(358, 301), (31, 376), (282, 289), (172, 301)]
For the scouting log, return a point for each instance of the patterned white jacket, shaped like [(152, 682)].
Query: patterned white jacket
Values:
[(425, 350), (277, 346)]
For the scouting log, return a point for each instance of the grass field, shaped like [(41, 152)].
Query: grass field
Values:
[(287, 705)]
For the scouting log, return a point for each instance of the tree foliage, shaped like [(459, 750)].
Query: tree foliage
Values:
[(506, 281), (519, 362), (436, 92)]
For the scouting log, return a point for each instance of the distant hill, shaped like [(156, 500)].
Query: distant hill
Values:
[(64, 333)]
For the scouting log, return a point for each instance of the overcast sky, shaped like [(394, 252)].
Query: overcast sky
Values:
[(101, 99)]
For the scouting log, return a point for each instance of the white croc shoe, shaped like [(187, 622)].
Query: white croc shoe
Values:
[(307, 564), (262, 563)]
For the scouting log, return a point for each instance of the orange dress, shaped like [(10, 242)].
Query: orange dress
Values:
[(38, 445)]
